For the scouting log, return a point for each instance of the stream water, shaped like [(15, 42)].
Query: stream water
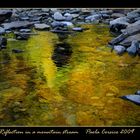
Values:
[(83, 92)]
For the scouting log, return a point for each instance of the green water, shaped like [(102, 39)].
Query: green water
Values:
[(34, 92)]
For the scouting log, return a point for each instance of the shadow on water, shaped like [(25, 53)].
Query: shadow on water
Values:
[(62, 51)]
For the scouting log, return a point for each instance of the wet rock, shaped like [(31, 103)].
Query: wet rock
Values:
[(93, 17), (24, 18), (2, 31), (41, 26), (3, 43), (127, 42), (17, 51), (133, 98), (5, 14), (16, 25), (58, 16), (132, 50), (119, 49), (118, 39)]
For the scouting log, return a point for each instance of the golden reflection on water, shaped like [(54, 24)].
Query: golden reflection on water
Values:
[(33, 91)]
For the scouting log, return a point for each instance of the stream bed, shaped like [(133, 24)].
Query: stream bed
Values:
[(84, 91)]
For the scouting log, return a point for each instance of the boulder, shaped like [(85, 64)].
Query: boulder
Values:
[(93, 17), (119, 49), (132, 50), (127, 41), (41, 26), (16, 25), (133, 98), (118, 39), (117, 15), (17, 51), (68, 16), (5, 14), (58, 16), (66, 23)]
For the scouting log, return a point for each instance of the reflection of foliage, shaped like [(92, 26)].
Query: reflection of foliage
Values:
[(83, 92)]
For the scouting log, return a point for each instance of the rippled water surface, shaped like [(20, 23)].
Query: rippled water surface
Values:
[(85, 91)]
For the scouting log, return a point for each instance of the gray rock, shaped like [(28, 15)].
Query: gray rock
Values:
[(57, 24), (16, 25), (25, 30), (93, 17), (41, 26), (132, 50), (2, 31), (58, 16), (66, 23), (118, 39), (133, 14), (127, 42), (121, 20), (119, 49), (133, 98), (68, 17)]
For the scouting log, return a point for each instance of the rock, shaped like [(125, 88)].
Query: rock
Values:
[(41, 26), (2, 31), (131, 30), (66, 23), (119, 49), (132, 50), (127, 42), (24, 18), (75, 15), (3, 43), (57, 24), (93, 17), (117, 15), (5, 14), (21, 36), (16, 25), (78, 29), (137, 92), (118, 39), (68, 16), (17, 51), (25, 30), (121, 20), (133, 98), (58, 16), (133, 14)]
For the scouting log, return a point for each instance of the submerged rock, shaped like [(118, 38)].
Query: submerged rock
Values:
[(133, 98), (3, 43), (17, 51)]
